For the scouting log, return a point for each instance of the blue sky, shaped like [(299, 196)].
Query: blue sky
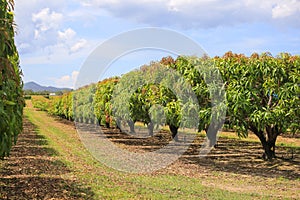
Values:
[(54, 37)]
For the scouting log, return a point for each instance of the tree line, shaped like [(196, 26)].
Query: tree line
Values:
[(261, 94), (11, 97)]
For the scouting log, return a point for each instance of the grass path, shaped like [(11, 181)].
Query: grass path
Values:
[(50, 162), (35, 171)]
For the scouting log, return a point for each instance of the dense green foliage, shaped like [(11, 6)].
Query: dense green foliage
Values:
[(102, 100), (155, 95), (11, 97), (62, 106), (262, 96), (83, 104), (149, 94), (207, 85), (40, 102)]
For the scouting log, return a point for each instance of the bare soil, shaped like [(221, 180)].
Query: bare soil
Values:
[(234, 164), (230, 155), (33, 171)]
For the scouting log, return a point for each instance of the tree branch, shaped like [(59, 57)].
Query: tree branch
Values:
[(270, 100)]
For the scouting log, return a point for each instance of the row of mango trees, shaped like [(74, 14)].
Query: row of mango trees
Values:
[(11, 97), (261, 95)]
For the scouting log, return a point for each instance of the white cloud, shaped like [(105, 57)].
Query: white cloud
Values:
[(43, 26), (69, 40), (78, 45), (200, 14), (286, 9), (45, 20), (67, 80), (64, 79), (75, 75), (67, 34)]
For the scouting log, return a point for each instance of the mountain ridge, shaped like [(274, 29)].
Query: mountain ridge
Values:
[(35, 87)]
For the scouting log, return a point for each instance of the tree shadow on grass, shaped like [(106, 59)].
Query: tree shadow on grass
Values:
[(230, 155), (139, 141), (242, 157), (33, 171), (32, 187)]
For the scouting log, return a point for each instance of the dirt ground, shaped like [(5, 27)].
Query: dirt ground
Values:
[(234, 164), (232, 155), (33, 172)]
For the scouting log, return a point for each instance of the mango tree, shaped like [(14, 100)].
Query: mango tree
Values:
[(11, 95), (122, 93), (141, 102), (83, 106), (207, 85), (263, 95), (66, 106), (61, 106), (102, 100), (154, 105), (151, 94)]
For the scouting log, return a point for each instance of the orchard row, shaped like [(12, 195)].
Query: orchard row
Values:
[(259, 93), (11, 97)]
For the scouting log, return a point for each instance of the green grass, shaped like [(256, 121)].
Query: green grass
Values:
[(181, 187), (289, 145), (108, 183)]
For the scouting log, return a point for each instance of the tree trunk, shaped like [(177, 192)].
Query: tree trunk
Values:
[(131, 126), (269, 148), (272, 132), (211, 134), (99, 122), (174, 131), (107, 121), (268, 142), (150, 128), (118, 124)]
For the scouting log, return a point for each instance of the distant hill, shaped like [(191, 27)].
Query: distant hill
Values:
[(38, 88)]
